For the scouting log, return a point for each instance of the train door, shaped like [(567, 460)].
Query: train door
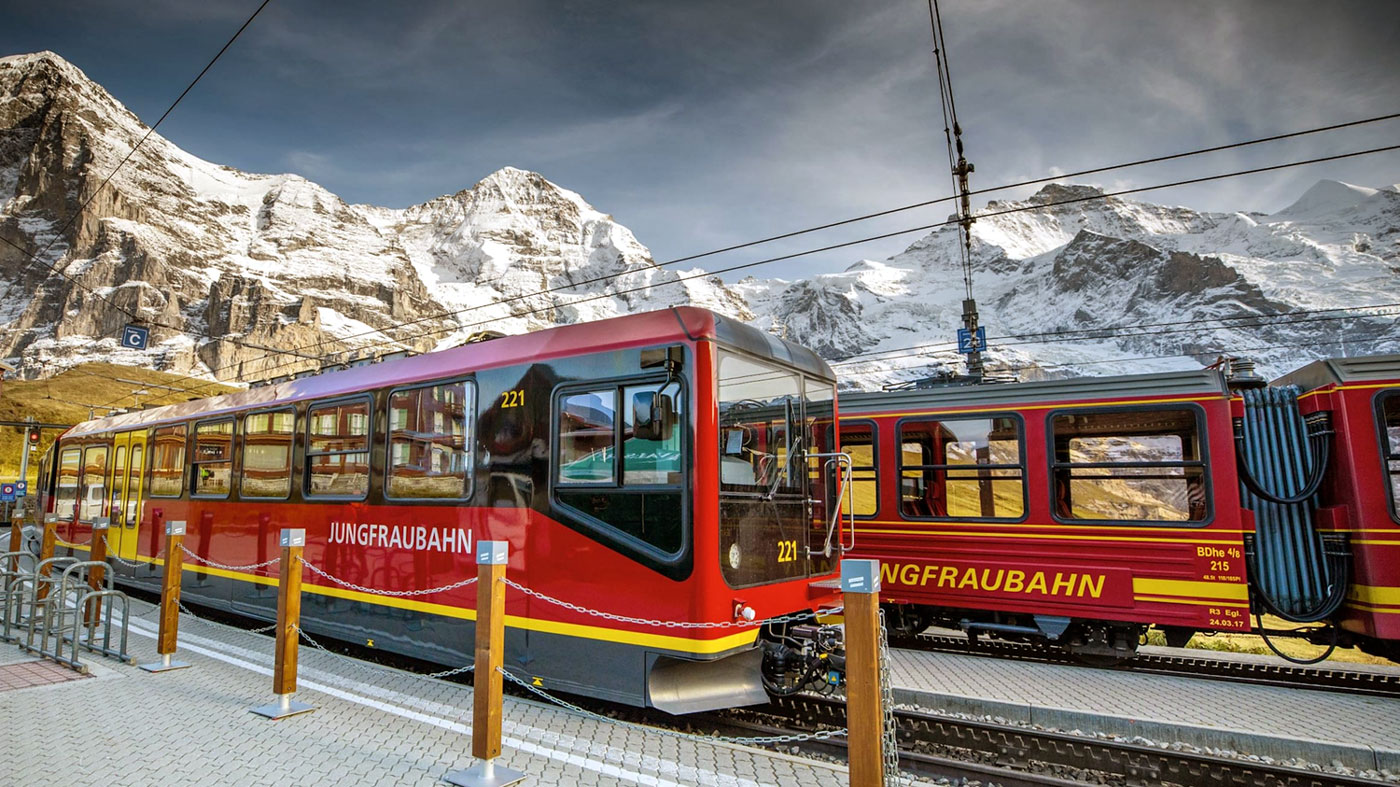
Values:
[(121, 446), (128, 465)]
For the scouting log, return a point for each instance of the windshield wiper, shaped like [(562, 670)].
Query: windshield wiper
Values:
[(793, 448)]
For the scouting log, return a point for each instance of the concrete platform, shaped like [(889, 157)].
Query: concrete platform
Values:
[(1316, 726), (371, 725)]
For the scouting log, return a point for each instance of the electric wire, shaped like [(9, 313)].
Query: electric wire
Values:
[(808, 252), (1076, 334), (822, 227), (54, 267)]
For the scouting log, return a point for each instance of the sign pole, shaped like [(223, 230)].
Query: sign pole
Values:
[(24, 454), (486, 682), (865, 718), (284, 669), (170, 599), (16, 540)]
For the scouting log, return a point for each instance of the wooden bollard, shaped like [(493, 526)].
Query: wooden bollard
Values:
[(284, 670), (166, 640), (46, 547), (97, 550), (491, 559), (865, 717)]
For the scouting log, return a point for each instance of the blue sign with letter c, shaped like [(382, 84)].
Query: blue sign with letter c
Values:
[(135, 337)]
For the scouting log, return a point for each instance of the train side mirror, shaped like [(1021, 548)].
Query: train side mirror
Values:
[(653, 415)]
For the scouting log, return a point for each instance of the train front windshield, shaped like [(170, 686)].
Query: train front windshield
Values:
[(774, 495)]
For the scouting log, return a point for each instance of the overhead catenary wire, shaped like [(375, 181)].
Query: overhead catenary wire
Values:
[(830, 247), (53, 266), (924, 353), (822, 227), (1113, 331)]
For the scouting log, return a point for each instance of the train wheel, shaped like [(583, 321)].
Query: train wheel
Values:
[(1177, 636), (1102, 644)]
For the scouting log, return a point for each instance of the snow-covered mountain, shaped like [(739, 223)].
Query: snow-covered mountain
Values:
[(1064, 268), (232, 261)]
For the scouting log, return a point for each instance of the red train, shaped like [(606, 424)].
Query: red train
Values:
[(1081, 511), (653, 466)]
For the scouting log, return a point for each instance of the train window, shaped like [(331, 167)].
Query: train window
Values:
[(1129, 465), (167, 461), (858, 440), (613, 475), (66, 495), (587, 437), (1389, 407), (647, 461), (757, 402), (337, 449), (212, 462), (961, 468), (115, 505), (133, 486), (92, 490), (267, 454), (430, 445)]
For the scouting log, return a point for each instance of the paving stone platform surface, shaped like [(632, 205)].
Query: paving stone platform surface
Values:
[(371, 725), (1269, 720)]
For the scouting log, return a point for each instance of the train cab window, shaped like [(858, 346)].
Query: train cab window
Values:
[(167, 461), (212, 462), (92, 491), (337, 450), (430, 445), (1129, 465), (961, 468), (1389, 412), (858, 440), (70, 464), (267, 454), (617, 471), (587, 437)]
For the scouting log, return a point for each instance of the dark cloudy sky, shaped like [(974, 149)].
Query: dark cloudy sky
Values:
[(704, 123)]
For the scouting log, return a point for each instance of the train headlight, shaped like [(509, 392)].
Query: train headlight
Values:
[(734, 556)]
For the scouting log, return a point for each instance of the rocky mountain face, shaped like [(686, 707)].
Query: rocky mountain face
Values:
[(223, 263)]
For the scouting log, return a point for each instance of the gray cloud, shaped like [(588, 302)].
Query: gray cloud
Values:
[(707, 123)]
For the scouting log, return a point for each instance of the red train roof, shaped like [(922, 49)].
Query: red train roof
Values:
[(633, 330)]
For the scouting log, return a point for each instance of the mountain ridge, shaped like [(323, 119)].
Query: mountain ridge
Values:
[(237, 261)]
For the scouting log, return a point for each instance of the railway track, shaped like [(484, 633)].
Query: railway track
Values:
[(1333, 679), (1012, 756), (948, 747)]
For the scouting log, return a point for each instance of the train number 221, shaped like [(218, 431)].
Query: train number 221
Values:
[(787, 551), (514, 398)]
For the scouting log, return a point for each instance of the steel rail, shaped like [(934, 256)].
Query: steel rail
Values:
[(929, 742)]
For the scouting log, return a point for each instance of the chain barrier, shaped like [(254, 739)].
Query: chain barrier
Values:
[(742, 741), (116, 557), (400, 593), (670, 624), (889, 733), (214, 563), (376, 669)]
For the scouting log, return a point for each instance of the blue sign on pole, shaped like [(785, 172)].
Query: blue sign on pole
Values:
[(21, 488), (966, 344), (7, 492), (135, 337)]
